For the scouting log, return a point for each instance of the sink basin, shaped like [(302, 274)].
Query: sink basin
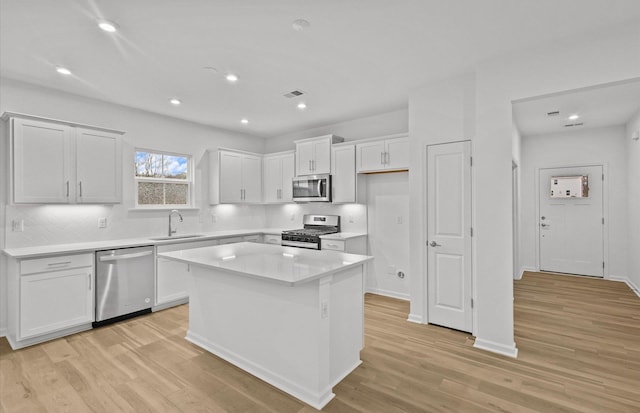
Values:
[(176, 237)]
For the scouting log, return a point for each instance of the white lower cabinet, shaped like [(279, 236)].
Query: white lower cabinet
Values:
[(171, 276), (50, 297), (351, 245), (231, 240)]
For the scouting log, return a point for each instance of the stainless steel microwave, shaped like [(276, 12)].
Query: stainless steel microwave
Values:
[(312, 188)]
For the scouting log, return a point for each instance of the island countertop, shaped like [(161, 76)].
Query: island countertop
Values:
[(285, 265)]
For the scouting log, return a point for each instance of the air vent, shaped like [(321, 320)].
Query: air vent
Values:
[(294, 94), (553, 113), (569, 125)]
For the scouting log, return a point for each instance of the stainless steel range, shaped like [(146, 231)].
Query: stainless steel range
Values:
[(309, 236)]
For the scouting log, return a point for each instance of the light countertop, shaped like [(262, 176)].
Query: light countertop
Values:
[(343, 236), (79, 247), (287, 265)]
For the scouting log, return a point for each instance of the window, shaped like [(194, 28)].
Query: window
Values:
[(163, 179)]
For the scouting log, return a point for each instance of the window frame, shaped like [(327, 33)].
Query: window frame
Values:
[(189, 181)]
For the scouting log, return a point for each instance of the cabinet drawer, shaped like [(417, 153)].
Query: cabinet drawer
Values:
[(330, 244), (61, 262), (273, 239), (231, 240), (252, 238)]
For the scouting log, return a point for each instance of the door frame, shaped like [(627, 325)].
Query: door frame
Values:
[(424, 251), (605, 209)]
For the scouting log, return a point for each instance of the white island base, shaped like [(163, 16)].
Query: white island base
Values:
[(302, 335)]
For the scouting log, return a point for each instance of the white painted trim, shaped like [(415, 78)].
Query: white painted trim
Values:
[(627, 281), (509, 351), (317, 400), (523, 269), (388, 293), (3, 332), (415, 318), (169, 304)]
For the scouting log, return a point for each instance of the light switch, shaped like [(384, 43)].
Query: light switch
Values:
[(102, 222)]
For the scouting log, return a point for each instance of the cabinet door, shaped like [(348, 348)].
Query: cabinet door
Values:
[(98, 167), (252, 179), (370, 156), (41, 158), (273, 239), (171, 279), (397, 153), (288, 172), (322, 157), (230, 177), (344, 174), (272, 175), (305, 158), (54, 301)]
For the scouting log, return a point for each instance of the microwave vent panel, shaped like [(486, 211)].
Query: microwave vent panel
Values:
[(576, 186)]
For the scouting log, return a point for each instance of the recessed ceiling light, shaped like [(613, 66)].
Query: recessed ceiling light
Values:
[(574, 117), (63, 70), (175, 101), (108, 26), (232, 78), (244, 121), (300, 25), (302, 105)]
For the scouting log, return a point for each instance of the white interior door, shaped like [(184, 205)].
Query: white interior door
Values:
[(449, 235), (571, 229)]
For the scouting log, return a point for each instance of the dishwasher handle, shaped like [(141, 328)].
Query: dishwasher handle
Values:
[(109, 258)]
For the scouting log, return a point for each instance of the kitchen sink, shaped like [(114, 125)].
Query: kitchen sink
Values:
[(176, 237)]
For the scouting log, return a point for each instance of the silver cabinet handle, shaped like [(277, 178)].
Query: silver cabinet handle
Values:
[(381, 158), (80, 189), (59, 263), (89, 275), (434, 244), (310, 167), (386, 156), (67, 189)]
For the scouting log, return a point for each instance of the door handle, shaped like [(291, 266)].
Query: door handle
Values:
[(434, 244), (545, 225)]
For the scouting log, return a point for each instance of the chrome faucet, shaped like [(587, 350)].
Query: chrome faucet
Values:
[(173, 211)]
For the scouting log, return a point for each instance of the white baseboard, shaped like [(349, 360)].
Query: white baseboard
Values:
[(387, 293), (509, 351), (3, 332), (415, 318), (627, 281), (522, 271), (313, 398)]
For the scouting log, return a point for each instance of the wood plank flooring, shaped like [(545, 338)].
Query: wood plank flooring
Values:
[(578, 340)]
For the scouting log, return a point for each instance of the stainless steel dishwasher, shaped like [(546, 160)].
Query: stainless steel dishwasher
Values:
[(124, 283)]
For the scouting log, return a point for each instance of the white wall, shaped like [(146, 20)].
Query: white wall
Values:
[(632, 149), (388, 229), (360, 128), (580, 147), (47, 224), (480, 109)]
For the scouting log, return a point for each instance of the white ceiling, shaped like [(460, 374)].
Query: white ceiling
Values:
[(358, 57), (600, 106)]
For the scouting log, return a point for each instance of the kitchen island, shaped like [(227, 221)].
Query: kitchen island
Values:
[(290, 316)]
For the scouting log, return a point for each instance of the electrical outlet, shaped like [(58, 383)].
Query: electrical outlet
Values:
[(324, 309), (102, 222), (351, 220), (214, 218), (399, 219), (17, 225), (293, 217)]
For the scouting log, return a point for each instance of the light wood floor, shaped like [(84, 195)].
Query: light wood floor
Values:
[(578, 340)]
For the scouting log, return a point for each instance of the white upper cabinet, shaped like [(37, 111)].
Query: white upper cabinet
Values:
[(41, 159), (239, 178), (277, 172), (53, 162), (391, 154), (313, 156), (343, 173), (98, 166)]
